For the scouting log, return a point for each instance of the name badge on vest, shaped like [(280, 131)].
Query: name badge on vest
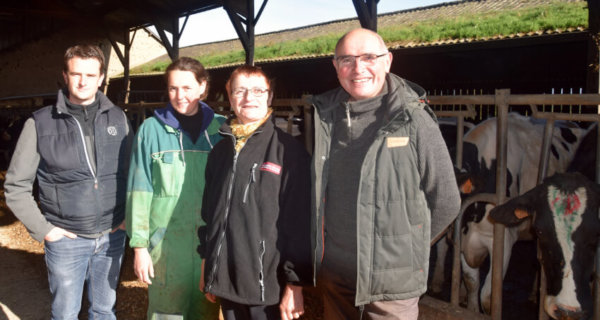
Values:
[(394, 142)]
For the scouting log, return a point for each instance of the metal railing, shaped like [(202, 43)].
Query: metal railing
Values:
[(502, 100)]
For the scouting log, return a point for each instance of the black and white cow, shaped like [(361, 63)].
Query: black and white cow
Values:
[(563, 212), (479, 176), (584, 161)]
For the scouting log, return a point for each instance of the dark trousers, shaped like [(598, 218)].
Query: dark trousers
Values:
[(338, 298), (338, 302), (236, 311)]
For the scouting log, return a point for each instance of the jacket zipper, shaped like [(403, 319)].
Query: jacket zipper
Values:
[(227, 209), (250, 181), (348, 116), (225, 218), (85, 151), (181, 146), (222, 235), (261, 280), (320, 226)]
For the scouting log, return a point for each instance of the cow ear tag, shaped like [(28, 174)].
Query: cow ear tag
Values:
[(521, 214), (466, 187), (394, 142)]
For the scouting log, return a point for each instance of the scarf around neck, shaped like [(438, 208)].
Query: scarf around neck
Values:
[(242, 132)]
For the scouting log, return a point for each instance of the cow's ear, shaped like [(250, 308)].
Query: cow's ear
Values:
[(464, 180), (510, 214), (516, 210), (466, 187), (465, 184), (521, 213)]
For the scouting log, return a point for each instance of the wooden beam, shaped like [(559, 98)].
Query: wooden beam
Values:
[(367, 13), (172, 47), (241, 15)]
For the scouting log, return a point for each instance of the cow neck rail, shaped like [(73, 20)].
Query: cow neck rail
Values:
[(503, 100)]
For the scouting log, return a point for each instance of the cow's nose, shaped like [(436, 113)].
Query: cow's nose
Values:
[(569, 313)]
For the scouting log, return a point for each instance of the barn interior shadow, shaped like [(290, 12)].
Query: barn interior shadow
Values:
[(518, 292), (6, 216)]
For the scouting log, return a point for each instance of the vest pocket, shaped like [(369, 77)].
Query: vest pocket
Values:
[(393, 252), (48, 198), (69, 197), (398, 234), (61, 152)]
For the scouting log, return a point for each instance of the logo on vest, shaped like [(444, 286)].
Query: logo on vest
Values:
[(112, 130), (271, 167), (394, 142)]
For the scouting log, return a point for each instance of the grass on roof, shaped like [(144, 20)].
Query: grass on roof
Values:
[(558, 15)]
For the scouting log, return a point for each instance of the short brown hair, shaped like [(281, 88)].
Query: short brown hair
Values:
[(247, 70), (192, 65), (84, 51)]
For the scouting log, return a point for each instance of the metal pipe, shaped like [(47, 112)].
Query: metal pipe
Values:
[(545, 151), (542, 172), (498, 244), (460, 132), (456, 270), (597, 268), (520, 99)]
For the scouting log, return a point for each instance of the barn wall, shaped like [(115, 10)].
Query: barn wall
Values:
[(524, 65), (143, 49), (36, 67), (527, 65)]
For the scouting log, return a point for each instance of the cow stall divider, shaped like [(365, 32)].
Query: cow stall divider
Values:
[(502, 100)]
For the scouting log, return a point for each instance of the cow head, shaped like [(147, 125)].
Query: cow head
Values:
[(565, 217), (478, 175)]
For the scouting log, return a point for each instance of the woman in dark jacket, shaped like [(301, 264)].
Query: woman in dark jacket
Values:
[(257, 209)]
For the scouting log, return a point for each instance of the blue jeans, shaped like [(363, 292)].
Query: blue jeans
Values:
[(73, 262)]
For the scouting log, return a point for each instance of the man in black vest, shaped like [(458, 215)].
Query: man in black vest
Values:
[(78, 149)]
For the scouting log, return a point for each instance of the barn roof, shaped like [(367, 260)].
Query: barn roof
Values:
[(444, 10), (22, 21)]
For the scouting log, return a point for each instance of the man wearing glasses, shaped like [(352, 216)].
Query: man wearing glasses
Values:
[(383, 186)]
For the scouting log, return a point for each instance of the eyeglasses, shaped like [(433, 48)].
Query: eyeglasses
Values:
[(241, 92), (367, 59)]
